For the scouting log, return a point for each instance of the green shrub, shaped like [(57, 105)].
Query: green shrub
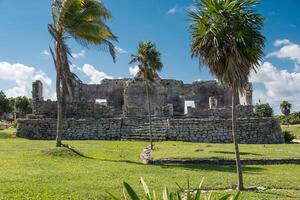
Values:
[(263, 110), (179, 195), (288, 136), (14, 124)]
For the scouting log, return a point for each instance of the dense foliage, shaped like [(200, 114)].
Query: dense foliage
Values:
[(293, 118), (187, 194), (4, 103), (288, 136), (263, 110), (23, 105)]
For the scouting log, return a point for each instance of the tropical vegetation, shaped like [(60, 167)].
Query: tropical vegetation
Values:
[(4, 104), (263, 110), (285, 108), (187, 194), (227, 38), (83, 20), (149, 63), (23, 105)]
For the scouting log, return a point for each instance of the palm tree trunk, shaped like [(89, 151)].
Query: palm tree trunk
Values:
[(149, 114), (240, 184), (59, 111), (59, 93)]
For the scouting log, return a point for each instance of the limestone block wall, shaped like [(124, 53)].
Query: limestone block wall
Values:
[(77, 110), (45, 129), (221, 113), (251, 130), (201, 91)]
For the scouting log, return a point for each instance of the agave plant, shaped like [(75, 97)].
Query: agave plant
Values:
[(130, 194)]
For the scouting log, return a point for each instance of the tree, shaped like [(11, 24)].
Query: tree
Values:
[(285, 108), (263, 110), (149, 64), (23, 105), (226, 37), (4, 103), (11, 104), (83, 20)]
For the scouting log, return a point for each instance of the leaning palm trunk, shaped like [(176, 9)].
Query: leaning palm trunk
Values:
[(149, 113), (240, 184)]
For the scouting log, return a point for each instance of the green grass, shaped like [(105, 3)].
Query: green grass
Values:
[(295, 129), (205, 150), (35, 170)]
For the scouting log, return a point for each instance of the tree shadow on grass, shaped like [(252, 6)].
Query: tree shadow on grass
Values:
[(220, 168), (241, 153), (277, 193)]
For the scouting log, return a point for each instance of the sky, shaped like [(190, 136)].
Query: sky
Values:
[(24, 44)]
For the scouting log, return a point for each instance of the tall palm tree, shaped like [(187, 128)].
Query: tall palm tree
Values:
[(83, 20), (149, 60), (226, 37), (285, 108)]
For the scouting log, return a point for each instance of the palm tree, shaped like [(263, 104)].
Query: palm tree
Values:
[(83, 20), (226, 37), (149, 63), (285, 108)]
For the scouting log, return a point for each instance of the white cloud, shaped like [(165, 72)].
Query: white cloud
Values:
[(134, 70), (173, 10), (45, 52), (95, 76), (279, 43), (23, 76), (120, 50), (288, 50), (279, 85), (78, 55)]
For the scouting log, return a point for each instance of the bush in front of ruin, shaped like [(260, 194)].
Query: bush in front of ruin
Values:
[(288, 136)]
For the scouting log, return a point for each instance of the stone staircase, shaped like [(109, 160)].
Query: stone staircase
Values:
[(138, 129)]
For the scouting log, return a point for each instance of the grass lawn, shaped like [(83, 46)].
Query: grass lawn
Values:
[(29, 171), (295, 129), (205, 150)]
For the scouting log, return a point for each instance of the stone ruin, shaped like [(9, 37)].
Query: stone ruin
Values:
[(116, 109)]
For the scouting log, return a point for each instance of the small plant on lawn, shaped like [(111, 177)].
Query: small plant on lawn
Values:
[(288, 136), (181, 194)]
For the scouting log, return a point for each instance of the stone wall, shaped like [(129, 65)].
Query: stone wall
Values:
[(45, 129), (221, 113), (77, 110), (252, 130)]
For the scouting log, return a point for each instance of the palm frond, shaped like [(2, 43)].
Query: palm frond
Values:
[(226, 37), (85, 21)]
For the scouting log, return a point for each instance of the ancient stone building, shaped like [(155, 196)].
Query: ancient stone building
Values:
[(116, 109)]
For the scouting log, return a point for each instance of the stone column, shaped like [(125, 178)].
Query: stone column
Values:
[(37, 91), (213, 103), (246, 96)]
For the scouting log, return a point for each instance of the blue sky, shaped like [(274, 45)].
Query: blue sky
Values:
[(25, 40)]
